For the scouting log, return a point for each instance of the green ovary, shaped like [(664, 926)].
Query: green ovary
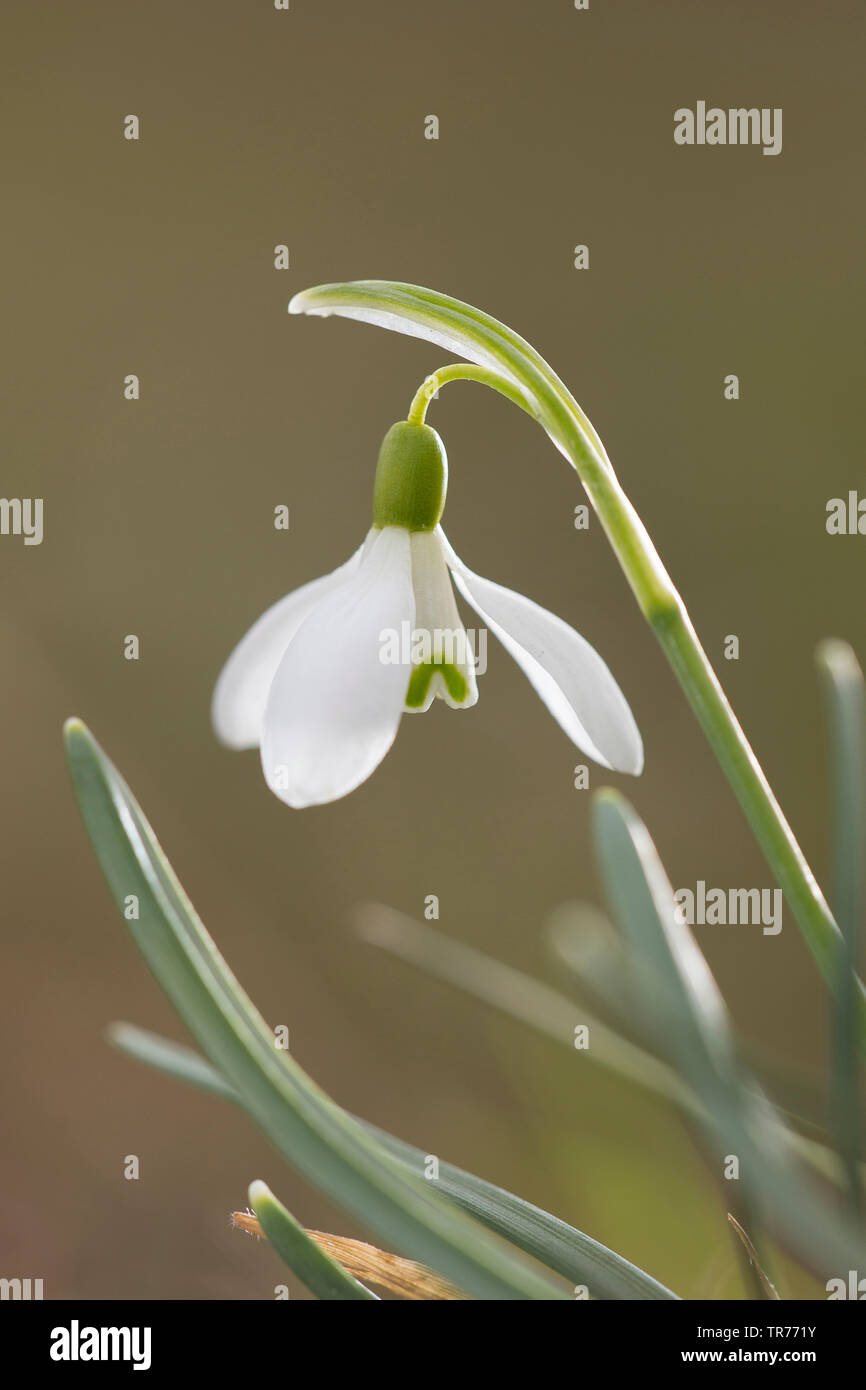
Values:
[(411, 478), (419, 683)]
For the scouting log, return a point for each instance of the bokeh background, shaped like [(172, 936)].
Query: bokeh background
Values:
[(156, 258)]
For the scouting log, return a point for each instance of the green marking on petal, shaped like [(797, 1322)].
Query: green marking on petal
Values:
[(419, 682), (455, 683)]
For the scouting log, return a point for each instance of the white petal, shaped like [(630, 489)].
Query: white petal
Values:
[(566, 672), (241, 691), (334, 705), (438, 631)]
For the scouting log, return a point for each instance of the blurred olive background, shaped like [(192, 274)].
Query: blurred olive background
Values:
[(307, 128)]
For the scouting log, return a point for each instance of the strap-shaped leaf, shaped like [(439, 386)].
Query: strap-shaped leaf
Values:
[(553, 1014), (332, 1150), (740, 1122), (314, 1267), (571, 1253)]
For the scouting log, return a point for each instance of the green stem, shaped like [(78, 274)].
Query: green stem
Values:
[(500, 351), (462, 371), (666, 613), (744, 772), (845, 694)]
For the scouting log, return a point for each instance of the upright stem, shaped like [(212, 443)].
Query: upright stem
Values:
[(845, 693), (666, 614), (517, 370)]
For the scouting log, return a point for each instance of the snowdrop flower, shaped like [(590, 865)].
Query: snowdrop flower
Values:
[(321, 681)]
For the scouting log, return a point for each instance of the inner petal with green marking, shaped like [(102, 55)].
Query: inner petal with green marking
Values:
[(443, 665), (419, 694)]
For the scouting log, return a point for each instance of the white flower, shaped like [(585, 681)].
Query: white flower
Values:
[(321, 681)]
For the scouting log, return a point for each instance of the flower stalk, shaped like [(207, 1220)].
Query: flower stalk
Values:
[(511, 365), (462, 371)]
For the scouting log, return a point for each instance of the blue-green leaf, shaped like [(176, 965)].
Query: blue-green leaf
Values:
[(314, 1267), (691, 1014), (331, 1149), (577, 1257)]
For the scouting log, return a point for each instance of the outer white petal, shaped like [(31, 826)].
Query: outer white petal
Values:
[(241, 691), (334, 705), (566, 672)]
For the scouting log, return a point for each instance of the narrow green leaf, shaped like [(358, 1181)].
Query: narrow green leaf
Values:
[(314, 1267), (845, 698), (577, 1257), (171, 1058), (689, 1007), (583, 940), (552, 1014), (514, 994), (571, 1253), (331, 1149)]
